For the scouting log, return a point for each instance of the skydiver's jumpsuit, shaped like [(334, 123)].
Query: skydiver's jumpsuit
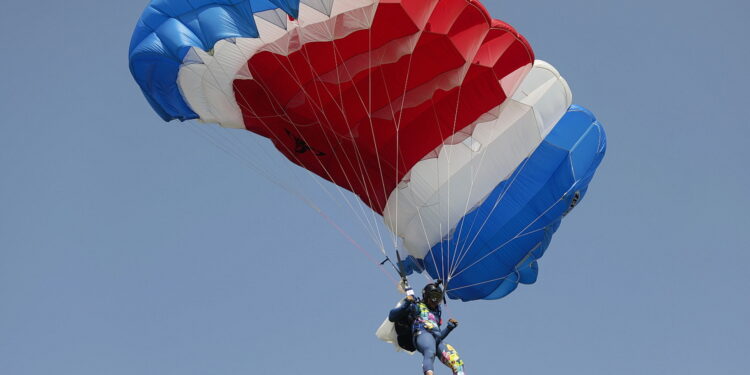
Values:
[(428, 337)]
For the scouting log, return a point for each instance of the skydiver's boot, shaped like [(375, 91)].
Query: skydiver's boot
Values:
[(428, 372)]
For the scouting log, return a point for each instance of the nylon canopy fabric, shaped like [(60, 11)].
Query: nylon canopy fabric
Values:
[(386, 81), (432, 112), (168, 29), (499, 242), (458, 175)]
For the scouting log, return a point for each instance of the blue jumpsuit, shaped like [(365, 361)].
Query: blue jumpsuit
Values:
[(428, 337)]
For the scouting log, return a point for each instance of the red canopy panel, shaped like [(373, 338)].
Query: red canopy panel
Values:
[(360, 111)]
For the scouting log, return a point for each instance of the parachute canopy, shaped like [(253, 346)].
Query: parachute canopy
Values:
[(428, 110)]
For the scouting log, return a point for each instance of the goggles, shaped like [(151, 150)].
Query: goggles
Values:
[(434, 296)]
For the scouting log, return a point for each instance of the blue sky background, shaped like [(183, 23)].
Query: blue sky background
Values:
[(132, 246)]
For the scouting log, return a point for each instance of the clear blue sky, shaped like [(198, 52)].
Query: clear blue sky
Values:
[(131, 246)]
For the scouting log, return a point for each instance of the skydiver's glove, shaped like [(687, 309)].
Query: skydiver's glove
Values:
[(403, 287), (452, 323), (409, 299)]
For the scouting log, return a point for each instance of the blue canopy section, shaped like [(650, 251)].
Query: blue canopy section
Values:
[(168, 29), (496, 245)]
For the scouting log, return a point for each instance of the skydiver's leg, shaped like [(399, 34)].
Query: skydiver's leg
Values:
[(449, 357), (425, 343)]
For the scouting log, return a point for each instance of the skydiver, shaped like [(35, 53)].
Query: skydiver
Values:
[(424, 318)]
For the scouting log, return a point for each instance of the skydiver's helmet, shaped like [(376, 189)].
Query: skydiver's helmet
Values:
[(432, 293)]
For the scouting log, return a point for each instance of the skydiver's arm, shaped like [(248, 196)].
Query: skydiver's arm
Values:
[(452, 323), (444, 332)]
